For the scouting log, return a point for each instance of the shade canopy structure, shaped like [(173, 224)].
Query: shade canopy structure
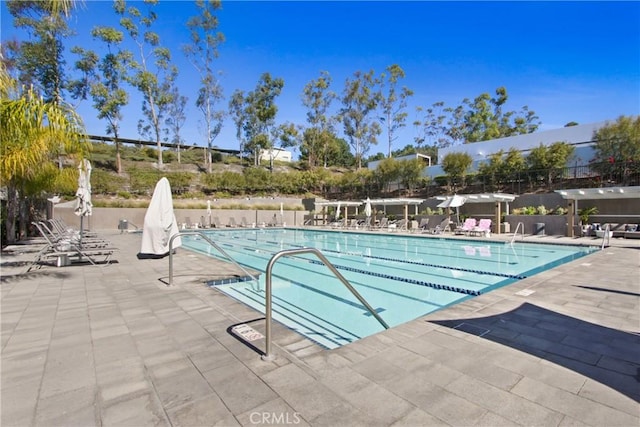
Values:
[(398, 202), (600, 193), (573, 196), (338, 204), (496, 198)]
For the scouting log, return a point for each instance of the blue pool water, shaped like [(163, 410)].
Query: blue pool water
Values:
[(402, 277)]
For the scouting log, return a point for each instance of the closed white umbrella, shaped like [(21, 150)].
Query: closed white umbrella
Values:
[(367, 208), (83, 194), (338, 211), (208, 213), (282, 213)]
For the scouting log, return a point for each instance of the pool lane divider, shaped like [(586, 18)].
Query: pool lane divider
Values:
[(390, 276)]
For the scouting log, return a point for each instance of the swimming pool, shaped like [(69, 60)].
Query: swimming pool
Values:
[(402, 277)]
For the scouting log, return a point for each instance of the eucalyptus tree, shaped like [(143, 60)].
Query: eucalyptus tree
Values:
[(485, 119), (237, 110), (40, 60), (287, 135), (260, 113), (317, 97), (359, 103), (32, 134), (103, 80), (176, 117), (152, 72), (202, 52), (393, 102)]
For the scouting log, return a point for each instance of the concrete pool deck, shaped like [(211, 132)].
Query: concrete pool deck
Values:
[(113, 345)]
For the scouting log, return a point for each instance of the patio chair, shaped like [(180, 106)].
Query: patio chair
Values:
[(442, 227), (384, 223), (400, 225), (64, 251), (215, 222), (232, 223), (243, 222), (482, 229), (424, 225), (467, 227), (69, 234)]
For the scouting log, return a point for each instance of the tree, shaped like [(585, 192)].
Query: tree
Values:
[(359, 103), (237, 110), (153, 80), (484, 119), (387, 172), (32, 134), (202, 52), (549, 161), (411, 173), (260, 113), (393, 103), (176, 117), (102, 80), (456, 165), (502, 167), (40, 61), (617, 148), (318, 98)]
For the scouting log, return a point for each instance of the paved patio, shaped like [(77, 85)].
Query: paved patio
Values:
[(113, 345)]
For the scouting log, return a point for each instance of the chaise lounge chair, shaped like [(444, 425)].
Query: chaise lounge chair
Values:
[(442, 227), (467, 227), (482, 229)]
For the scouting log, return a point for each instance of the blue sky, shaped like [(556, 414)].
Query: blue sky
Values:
[(567, 61)]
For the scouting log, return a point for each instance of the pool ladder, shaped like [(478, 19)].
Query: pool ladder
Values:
[(211, 242), (268, 356), (515, 233)]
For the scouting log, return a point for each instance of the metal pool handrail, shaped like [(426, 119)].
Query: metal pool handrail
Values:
[(212, 243), (606, 236), (515, 233), (268, 356)]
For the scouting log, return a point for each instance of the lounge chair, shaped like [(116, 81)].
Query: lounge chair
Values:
[(400, 225), (215, 222), (384, 223), (482, 229), (467, 227), (366, 225), (424, 225), (243, 222), (442, 227), (64, 251), (232, 223), (69, 235)]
